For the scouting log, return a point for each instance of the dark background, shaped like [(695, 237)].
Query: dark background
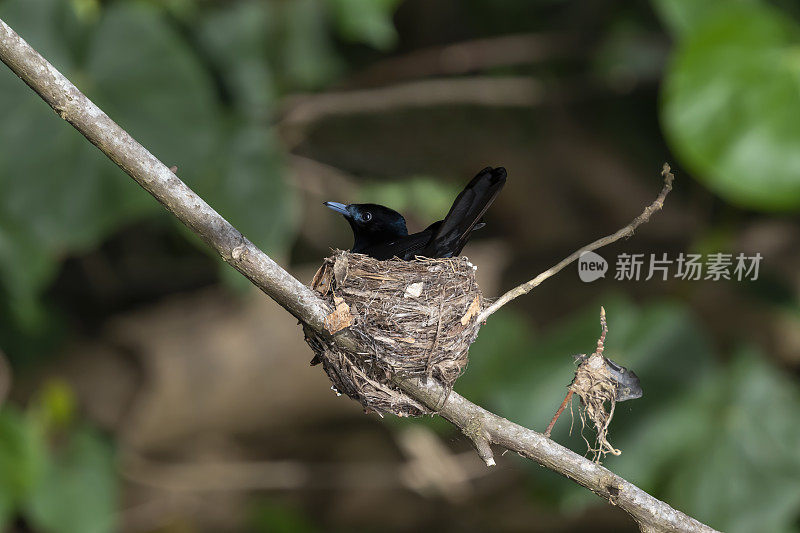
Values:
[(148, 387)]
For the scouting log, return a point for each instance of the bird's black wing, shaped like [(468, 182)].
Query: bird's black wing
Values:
[(451, 235), (406, 247)]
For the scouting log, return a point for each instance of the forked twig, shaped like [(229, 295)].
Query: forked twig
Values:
[(627, 231)]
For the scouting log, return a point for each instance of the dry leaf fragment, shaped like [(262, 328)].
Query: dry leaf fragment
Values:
[(340, 318), (474, 309), (340, 268), (322, 280)]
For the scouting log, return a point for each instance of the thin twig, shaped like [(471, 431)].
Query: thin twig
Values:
[(470, 56), (600, 347), (509, 91), (484, 427), (627, 231), (552, 423), (601, 342), (299, 111)]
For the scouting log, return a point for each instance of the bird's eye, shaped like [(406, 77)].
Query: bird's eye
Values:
[(367, 216)]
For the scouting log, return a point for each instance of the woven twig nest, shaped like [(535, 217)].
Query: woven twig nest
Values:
[(408, 318)]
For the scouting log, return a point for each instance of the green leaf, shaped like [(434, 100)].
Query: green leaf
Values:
[(148, 79), (156, 90), (251, 192), (743, 476), (236, 38), (273, 517), (730, 106), (366, 21), (22, 457), (54, 407), (49, 26), (303, 55), (683, 16), (87, 10), (60, 194), (34, 144), (78, 491), (24, 265), (247, 186)]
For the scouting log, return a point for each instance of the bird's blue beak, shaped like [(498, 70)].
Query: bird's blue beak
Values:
[(339, 208)]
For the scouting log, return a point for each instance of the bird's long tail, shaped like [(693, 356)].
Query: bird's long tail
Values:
[(467, 210)]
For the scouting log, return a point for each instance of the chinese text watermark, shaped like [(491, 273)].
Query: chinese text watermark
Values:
[(692, 267)]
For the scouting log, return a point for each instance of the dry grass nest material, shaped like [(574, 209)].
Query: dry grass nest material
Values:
[(408, 318), (596, 387), (598, 382)]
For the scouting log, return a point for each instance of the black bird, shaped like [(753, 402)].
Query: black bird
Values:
[(381, 232)]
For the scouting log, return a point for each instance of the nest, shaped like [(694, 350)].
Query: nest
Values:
[(596, 387), (598, 382), (407, 319)]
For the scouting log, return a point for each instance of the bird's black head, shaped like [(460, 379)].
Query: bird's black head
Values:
[(372, 224)]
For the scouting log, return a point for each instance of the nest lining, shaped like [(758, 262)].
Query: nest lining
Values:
[(409, 318)]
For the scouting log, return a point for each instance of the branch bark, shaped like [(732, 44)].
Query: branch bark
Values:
[(483, 427)]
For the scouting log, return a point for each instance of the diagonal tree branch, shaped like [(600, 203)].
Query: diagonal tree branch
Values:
[(483, 427)]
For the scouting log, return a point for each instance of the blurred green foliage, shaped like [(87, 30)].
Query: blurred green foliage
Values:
[(77, 197), (717, 441), (55, 473), (197, 89), (730, 105), (273, 517), (194, 83), (367, 21), (424, 195), (197, 83), (22, 453)]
